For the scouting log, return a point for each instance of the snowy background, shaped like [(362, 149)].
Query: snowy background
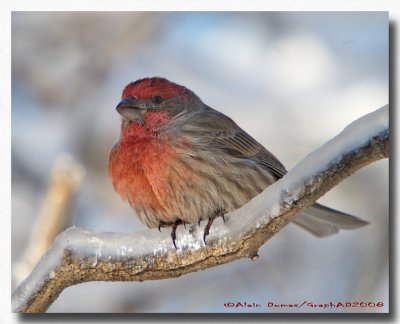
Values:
[(292, 80)]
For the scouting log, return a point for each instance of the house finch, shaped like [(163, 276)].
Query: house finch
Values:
[(179, 161)]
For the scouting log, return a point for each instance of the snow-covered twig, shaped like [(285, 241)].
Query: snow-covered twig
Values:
[(65, 180), (79, 255)]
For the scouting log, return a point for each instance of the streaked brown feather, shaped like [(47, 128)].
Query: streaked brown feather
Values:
[(220, 133)]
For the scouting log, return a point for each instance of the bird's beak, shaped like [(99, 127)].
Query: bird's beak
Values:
[(129, 108)]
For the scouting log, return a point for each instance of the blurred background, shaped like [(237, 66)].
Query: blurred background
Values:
[(293, 80)]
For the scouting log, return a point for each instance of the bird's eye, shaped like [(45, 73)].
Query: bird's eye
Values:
[(157, 99)]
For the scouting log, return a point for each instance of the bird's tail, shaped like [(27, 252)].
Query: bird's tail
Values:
[(323, 221)]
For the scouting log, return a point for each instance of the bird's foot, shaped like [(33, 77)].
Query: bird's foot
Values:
[(163, 224), (215, 214), (174, 227)]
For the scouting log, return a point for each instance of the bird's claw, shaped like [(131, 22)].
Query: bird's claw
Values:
[(173, 232), (218, 212), (205, 234), (162, 224), (173, 236), (175, 224)]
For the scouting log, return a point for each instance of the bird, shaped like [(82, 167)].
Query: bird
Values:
[(179, 161)]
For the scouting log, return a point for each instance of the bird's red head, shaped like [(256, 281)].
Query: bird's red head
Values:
[(151, 87), (150, 103)]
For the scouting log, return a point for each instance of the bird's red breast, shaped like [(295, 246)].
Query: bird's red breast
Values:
[(141, 162)]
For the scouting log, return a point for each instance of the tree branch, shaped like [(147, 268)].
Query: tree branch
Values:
[(65, 178), (79, 255)]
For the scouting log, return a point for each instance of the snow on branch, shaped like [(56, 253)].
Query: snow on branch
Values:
[(80, 255)]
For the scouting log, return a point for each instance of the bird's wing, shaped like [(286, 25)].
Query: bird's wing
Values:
[(219, 132)]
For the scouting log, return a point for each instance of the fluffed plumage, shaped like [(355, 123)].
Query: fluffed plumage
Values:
[(180, 161)]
